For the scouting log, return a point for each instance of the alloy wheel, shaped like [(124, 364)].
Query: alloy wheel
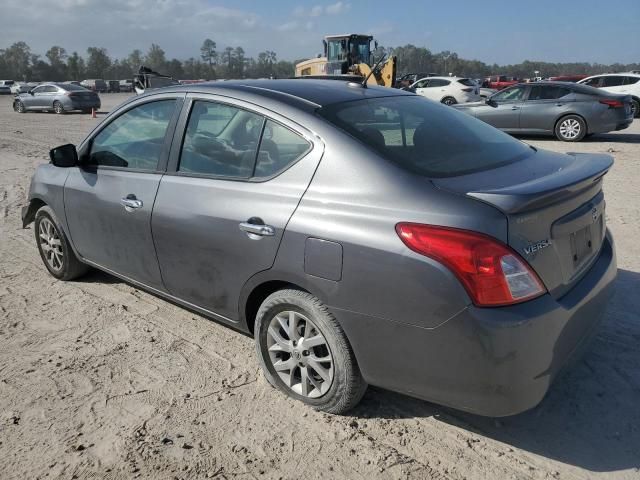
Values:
[(57, 107), (19, 107), (50, 244), (570, 128), (300, 354)]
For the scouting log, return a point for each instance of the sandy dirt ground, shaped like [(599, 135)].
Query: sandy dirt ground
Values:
[(101, 380)]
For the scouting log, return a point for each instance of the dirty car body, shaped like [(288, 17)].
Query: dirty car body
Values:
[(364, 210)]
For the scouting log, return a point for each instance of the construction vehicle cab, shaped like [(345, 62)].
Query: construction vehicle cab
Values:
[(349, 54)]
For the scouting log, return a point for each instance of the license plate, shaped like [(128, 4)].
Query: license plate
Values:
[(581, 245)]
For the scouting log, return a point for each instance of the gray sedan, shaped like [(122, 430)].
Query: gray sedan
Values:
[(361, 235), (566, 110), (56, 97)]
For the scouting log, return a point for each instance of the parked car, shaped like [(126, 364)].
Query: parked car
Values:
[(20, 87), (5, 87), (126, 85), (96, 85), (73, 82), (56, 97), (408, 79), (498, 82), (567, 110), (624, 83), (361, 235), (568, 78), (448, 90), (113, 86)]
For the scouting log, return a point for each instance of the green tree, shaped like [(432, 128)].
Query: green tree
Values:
[(208, 53), (75, 67), (98, 62), (155, 58), (56, 56), (17, 59)]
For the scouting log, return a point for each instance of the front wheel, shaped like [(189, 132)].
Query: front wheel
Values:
[(54, 248), (18, 106), (571, 128), (449, 101), (305, 354)]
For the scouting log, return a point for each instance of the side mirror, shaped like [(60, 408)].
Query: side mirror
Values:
[(490, 102), (31, 92), (64, 156)]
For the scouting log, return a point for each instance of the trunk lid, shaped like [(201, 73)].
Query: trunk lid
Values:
[(555, 208)]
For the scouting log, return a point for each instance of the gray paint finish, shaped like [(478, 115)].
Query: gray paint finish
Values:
[(411, 323)]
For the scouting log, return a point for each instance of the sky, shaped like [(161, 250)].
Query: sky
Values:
[(487, 30)]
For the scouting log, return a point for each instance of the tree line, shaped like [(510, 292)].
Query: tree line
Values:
[(19, 62)]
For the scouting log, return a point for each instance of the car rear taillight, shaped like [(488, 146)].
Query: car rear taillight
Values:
[(613, 103), (467, 89), (491, 272)]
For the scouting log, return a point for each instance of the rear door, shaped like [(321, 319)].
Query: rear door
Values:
[(504, 109), (544, 105), (236, 175), (109, 199), (614, 83)]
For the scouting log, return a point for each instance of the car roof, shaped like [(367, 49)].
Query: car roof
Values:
[(300, 92), (618, 74)]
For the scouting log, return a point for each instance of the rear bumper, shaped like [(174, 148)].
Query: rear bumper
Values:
[(489, 361)]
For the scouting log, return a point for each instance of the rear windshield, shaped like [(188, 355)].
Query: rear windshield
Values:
[(426, 137), (467, 82)]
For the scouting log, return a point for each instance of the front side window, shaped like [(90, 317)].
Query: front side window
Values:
[(422, 84), (425, 137), (134, 139), (594, 82), (513, 94), (39, 90), (220, 140)]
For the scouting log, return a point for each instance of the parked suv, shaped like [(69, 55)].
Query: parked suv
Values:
[(624, 83), (361, 235), (96, 85), (448, 90)]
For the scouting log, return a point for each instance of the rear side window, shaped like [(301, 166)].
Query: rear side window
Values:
[(631, 80), (279, 148), (220, 140), (548, 92), (424, 137), (226, 141), (612, 81), (134, 139), (467, 82)]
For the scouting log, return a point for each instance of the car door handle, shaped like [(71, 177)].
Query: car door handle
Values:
[(559, 104), (515, 108), (130, 202), (259, 229)]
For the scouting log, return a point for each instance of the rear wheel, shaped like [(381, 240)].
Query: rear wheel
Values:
[(304, 352), (449, 101), (571, 128), (57, 107), (54, 248), (18, 106), (635, 108)]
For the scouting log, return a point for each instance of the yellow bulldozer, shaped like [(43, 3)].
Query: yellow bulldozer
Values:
[(350, 55)]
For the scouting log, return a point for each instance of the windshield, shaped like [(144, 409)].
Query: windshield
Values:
[(355, 49), (425, 137)]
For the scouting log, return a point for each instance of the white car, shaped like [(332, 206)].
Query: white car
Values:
[(626, 83), (448, 90), (20, 87), (5, 87)]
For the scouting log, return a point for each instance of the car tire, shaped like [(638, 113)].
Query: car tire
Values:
[(19, 107), (449, 101), (635, 107), (53, 245), (333, 385), (58, 108), (570, 128)]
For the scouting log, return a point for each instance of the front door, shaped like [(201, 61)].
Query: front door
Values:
[(237, 178), (109, 199), (503, 108), (545, 104)]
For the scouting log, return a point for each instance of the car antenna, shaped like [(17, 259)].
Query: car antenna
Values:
[(375, 67)]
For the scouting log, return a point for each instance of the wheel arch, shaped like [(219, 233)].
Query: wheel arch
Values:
[(29, 215)]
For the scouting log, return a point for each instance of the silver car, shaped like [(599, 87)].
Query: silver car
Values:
[(566, 110), (361, 235), (56, 97)]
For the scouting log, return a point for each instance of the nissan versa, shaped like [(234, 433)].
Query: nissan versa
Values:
[(362, 235)]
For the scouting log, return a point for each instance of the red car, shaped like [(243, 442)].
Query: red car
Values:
[(499, 82)]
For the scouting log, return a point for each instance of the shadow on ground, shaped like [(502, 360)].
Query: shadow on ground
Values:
[(597, 138), (591, 416)]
